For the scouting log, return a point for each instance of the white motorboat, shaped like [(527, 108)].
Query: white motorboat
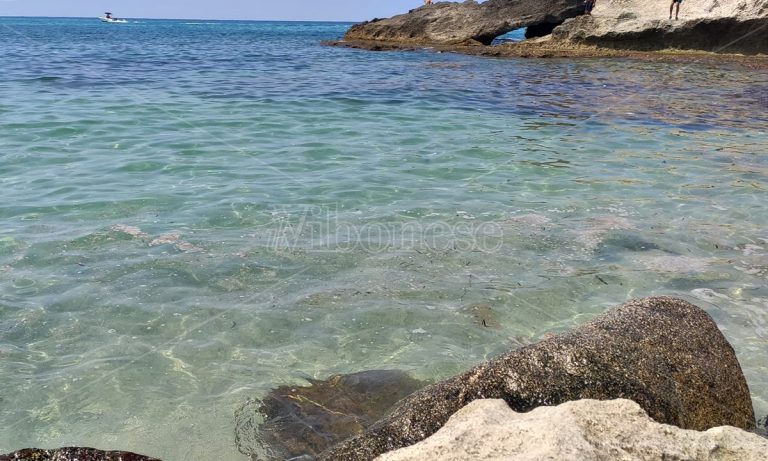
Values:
[(108, 18)]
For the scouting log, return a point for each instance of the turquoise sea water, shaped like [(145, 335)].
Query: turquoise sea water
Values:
[(194, 212)]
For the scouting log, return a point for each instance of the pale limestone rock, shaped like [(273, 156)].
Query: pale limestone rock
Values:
[(731, 26), (580, 430)]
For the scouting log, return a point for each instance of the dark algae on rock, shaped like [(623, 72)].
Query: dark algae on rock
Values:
[(295, 421), (662, 352), (762, 426), (73, 454)]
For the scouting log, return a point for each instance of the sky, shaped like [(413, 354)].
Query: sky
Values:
[(296, 10)]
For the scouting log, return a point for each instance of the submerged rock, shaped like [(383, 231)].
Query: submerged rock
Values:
[(467, 22), (585, 429), (482, 315), (73, 454), (295, 421), (762, 426), (661, 352)]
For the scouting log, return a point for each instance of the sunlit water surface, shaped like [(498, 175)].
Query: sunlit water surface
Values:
[(195, 212)]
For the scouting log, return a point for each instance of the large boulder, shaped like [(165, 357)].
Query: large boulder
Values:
[(726, 26), (663, 353), (585, 429), (465, 23)]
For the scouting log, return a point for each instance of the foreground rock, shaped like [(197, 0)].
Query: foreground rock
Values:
[(584, 429), (293, 421), (468, 22), (663, 353), (73, 454)]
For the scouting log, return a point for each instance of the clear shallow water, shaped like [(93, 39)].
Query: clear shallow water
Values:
[(194, 212)]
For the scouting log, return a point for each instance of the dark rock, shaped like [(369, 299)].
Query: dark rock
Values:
[(482, 314), (468, 22), (664, 353), (629, 241), (615, 246), (295, 421), (73, 454), (541, 30)]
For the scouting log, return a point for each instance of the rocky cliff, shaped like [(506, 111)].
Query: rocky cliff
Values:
[(466, 23), (730, 26), (724, 26)]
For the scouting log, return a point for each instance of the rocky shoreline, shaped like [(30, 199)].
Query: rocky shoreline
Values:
[(554, 49), (664, 354), (713, 31)]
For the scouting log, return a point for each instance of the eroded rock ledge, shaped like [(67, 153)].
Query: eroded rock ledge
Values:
[(663, 353), (717, 35), (466, 23), (566, 49)]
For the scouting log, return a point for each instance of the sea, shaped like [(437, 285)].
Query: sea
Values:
[(196, 212)]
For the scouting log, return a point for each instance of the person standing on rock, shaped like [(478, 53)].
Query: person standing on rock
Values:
[(427, 2), (589, 5), (677, 11)]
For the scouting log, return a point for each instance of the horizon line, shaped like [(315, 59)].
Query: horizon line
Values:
[(191, 19)]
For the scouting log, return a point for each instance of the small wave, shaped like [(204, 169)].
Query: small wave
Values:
[(200, 23), (46, 78)]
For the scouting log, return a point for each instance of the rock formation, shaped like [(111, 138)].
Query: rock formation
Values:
[(663, 353), (584, 429), (465, 23), (731, 26), (726, 26), (73, 454)]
